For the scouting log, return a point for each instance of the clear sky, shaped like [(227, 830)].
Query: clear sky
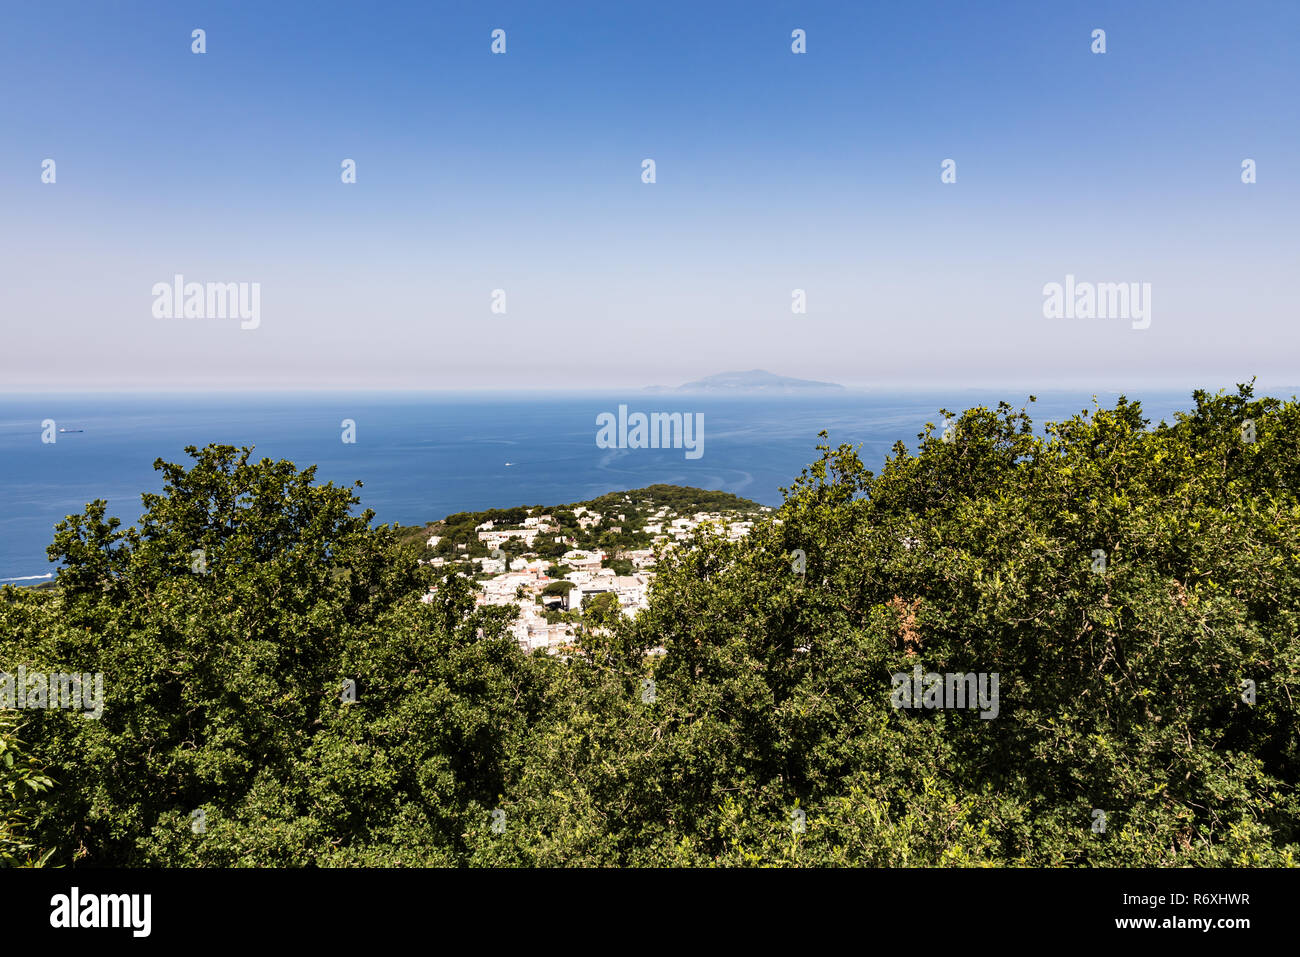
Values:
[(775, 171)]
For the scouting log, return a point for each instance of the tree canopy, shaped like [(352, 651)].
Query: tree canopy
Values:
[(268, 662)]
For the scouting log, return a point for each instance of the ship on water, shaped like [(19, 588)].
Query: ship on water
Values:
[(62, 431)]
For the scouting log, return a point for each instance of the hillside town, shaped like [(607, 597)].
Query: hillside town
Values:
[(553, 563)]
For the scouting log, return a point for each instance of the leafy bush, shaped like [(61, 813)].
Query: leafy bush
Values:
[(20, 781)]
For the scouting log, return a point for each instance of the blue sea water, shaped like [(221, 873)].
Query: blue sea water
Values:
[(421, 456)]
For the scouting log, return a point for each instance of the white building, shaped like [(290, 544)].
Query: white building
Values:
[(498, 537), (582, 560), (641, 557)]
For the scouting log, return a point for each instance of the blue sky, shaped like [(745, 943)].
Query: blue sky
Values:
[(775, 171)]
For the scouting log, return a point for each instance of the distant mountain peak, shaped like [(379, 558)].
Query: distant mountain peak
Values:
[(755, 380)]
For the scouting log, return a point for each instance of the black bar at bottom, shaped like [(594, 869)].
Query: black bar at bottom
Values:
[(370, 907)]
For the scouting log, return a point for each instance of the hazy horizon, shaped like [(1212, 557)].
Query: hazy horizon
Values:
[(778, 174), (1261, 387)]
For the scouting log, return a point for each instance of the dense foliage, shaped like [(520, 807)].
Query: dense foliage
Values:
[(1135, 588), (18, 775)]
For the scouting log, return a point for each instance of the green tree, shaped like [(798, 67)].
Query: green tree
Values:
[(268, 658), (21, 780)]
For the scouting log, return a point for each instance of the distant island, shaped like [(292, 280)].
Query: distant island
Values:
[(755, 380)]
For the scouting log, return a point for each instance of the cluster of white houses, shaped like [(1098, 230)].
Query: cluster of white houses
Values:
[(525, 579)]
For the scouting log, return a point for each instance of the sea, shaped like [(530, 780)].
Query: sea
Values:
[(421, 456)]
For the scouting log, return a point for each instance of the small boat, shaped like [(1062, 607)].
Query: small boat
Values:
[(508, 464), (61, 431)]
